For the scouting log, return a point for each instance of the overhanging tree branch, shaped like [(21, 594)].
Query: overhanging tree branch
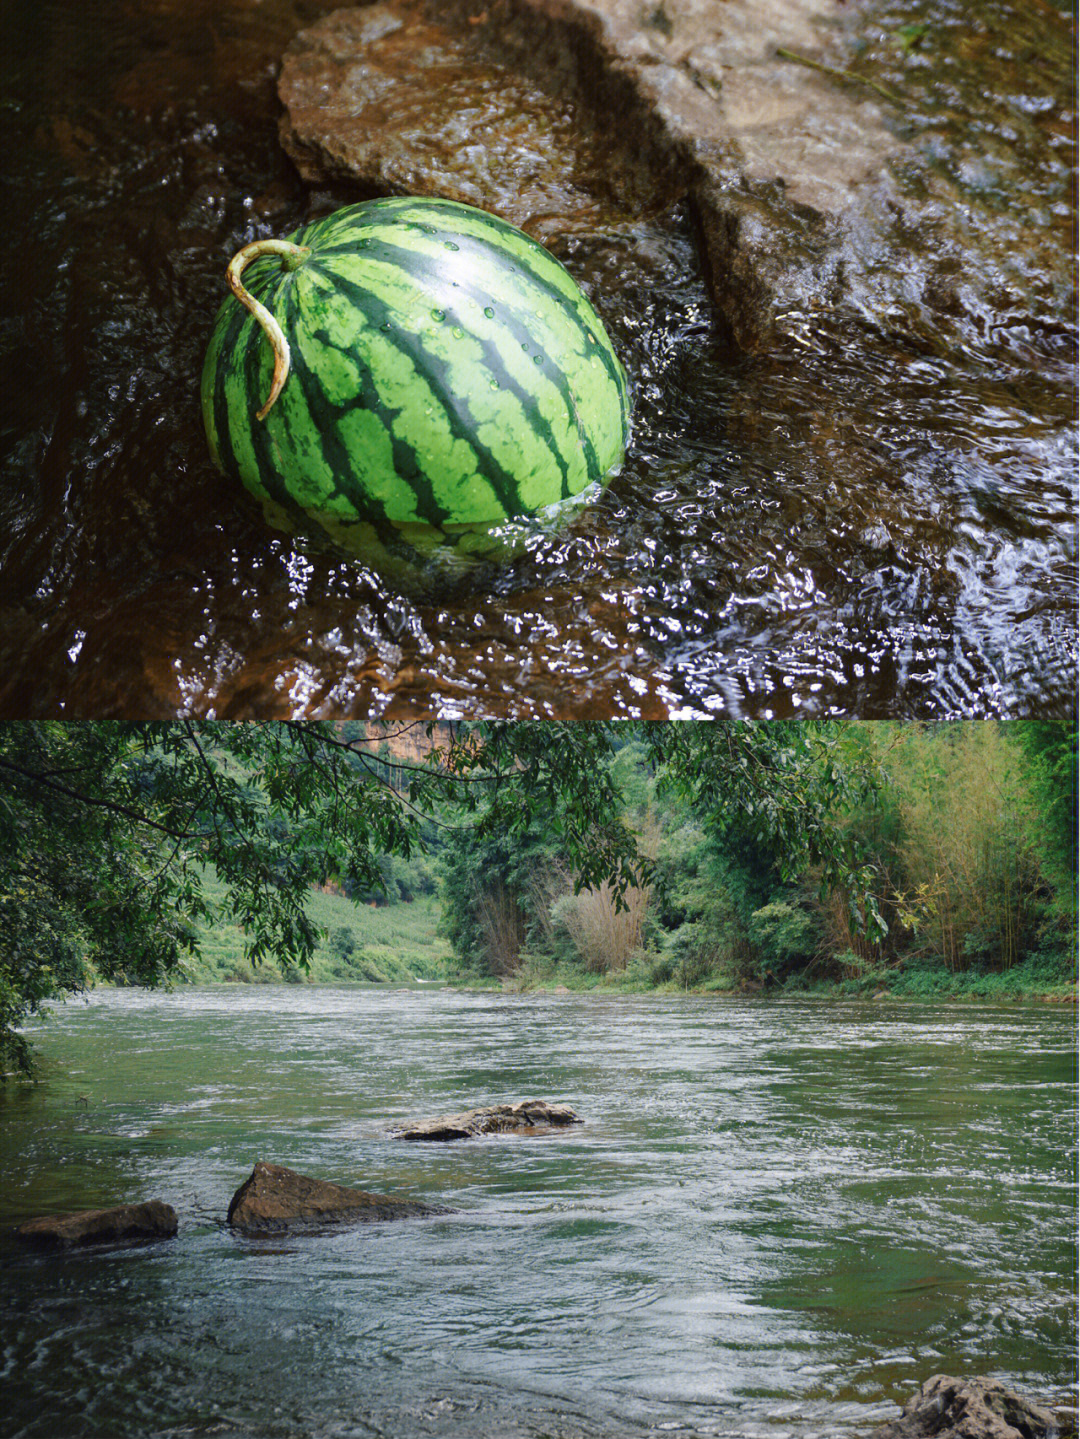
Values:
[(112, 806)]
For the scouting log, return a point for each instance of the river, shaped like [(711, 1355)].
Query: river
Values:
[(778, 1219)]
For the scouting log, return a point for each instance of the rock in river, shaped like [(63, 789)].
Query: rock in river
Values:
[(531, 1116), (152, 1220), (826, 173), (947, 1408), (274, 1198)]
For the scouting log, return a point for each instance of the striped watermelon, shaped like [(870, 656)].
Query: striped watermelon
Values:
[(443, 373)]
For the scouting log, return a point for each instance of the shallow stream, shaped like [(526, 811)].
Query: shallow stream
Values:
[(778, 1219), (840, 527)]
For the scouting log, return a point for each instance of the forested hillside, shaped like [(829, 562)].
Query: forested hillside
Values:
[(388, 936)]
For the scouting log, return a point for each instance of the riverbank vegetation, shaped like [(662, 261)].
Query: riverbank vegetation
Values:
[(393, 938), (110, 831), (962, 835), (723, 856)]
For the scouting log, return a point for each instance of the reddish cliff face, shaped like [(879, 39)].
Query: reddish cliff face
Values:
[(404, 743)]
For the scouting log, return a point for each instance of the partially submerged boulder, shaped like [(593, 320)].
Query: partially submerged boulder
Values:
[(274, 1198), (530, 1116), (823, 171), (151, 1220), (947, 1408)]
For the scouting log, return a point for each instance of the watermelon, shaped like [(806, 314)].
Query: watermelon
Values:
[(411, 365)]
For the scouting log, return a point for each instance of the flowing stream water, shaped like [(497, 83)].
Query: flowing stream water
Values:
[(848, 525), (778, 1219)]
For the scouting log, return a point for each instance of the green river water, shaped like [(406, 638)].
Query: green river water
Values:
[(779, 1218)]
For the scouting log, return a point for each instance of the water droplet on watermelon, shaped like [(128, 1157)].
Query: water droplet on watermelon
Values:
[(538, 359), (458, 333), (438, 314), (495, 385), (450, 245), (489, 312)]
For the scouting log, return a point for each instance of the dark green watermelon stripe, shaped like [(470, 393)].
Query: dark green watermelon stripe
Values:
[(242, 339), (298, 320), (504, 484), (483, 228), (495, 365), (406, 461), (513, 257), (230, 339), (273, 289), (280, 297), (406, 261), (530, 257), (324, 415), (377, 314), (464, 217), (274, 295), (284, 414)]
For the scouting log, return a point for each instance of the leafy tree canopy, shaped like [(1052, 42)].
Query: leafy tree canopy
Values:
[(783, 787), (106, 829)]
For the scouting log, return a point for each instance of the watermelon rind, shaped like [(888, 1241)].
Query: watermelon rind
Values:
[(447, 376)]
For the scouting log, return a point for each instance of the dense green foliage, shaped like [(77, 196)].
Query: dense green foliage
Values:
[(385, 941), (927, 859), (922, 859), (446, 370), (108, 830), (763, 801)]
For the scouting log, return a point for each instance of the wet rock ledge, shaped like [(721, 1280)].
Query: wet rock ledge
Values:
[(530, 1116), (273, 1199), (820, 145)]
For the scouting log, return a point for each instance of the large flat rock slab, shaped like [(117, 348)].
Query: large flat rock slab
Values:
[(390, 97), (948, 1408), (273, 1199), (842, 165), (529, 1117), (150, 1220)]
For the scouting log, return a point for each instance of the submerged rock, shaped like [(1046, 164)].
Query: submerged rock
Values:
[(947, 1408), (151, 1220), (274, 1198), (530, 1116)]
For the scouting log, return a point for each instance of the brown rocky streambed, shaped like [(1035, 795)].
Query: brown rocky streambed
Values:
[(969, 1409), (830, 240)]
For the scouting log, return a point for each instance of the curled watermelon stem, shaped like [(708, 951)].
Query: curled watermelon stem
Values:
[(292, 256)]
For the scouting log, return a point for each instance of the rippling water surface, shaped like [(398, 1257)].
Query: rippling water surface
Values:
[(778, 1219), (854, 524)]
